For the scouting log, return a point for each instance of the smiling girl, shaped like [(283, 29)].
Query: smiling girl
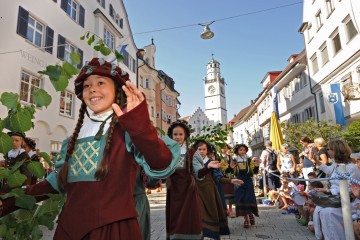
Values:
[(98, 164), (183, 209)]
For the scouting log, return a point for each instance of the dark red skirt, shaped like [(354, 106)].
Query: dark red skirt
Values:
[(120, 230)]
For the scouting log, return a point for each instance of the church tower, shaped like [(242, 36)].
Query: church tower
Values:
[(215, 101)]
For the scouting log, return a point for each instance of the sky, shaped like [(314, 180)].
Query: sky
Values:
[(248, 46)]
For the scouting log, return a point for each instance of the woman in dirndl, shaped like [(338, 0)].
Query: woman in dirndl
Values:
[(244, 168)]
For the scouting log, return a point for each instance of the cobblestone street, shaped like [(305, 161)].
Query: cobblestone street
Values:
[(270, 225)]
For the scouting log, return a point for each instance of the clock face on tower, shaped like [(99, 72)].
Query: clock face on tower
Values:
[(211, 89)]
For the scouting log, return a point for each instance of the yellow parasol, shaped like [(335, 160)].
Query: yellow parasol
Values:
[(276, 136)]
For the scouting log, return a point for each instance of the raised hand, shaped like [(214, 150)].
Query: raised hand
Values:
[(133, 97), (237, 181), (214, 164)]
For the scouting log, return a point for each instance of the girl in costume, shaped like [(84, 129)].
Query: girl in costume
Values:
[(214, 219), (99, 162), (243, 168), (183, 207)]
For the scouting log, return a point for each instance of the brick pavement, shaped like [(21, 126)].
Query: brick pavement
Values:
[(270, 225)]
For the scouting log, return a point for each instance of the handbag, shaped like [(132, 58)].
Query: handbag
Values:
[(324, 200)]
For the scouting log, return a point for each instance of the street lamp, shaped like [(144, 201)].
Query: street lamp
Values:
[(207, 33), (139, 55)]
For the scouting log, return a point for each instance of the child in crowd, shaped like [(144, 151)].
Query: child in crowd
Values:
[(243, 168), (183, 206), (98, 164), (214, 219), (15, 155), (308, 207), (284, 193), (30, 148)]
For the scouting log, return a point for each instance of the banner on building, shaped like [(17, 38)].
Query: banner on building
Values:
[(276, 102), (333, 103)]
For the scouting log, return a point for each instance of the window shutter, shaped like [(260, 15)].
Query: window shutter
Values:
[(22, 22), (49, 40), (121, 23), (82, 16), (61, 47), (64, 5), (111, 11), (81, 58)]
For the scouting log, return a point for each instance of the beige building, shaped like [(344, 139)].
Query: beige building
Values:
[(159, 89), (167, 103)]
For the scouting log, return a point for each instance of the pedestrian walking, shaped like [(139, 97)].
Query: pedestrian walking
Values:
[(183, 207), (244, 168), (99, 162), (214, 219)]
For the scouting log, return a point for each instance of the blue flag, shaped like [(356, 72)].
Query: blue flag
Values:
[(121, 51), (276, 103), (333, 103)]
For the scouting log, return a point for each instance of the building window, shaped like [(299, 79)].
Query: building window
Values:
[(109, 39), (307, 114), (350, 30), (314, 62), (65, 48), (322, 103), (152, 111), (34, 32), (66, 103), (324, 54), (336, 43), (329, 6), (303, 80), (68, 50), (309, 32), (319, 20), (147, 83), (101, 2), (28, 86), (72, 9)]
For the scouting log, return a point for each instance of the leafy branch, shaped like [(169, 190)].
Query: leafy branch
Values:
[(100, 46)]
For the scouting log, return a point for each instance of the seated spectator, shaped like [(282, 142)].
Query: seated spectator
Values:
[(283, 194), (328, 221)]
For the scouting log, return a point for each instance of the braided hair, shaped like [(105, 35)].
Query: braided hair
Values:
[(103, 167)]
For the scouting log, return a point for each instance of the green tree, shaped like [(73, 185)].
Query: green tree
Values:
[(216, 135), (312, 129), (352, 135)]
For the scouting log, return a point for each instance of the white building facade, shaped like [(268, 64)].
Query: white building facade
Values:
[(197, 120), (215, 100), (40, 33), (332, 41)]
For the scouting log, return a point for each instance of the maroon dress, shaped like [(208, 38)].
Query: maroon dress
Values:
[(183, 209), (105, 209)]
